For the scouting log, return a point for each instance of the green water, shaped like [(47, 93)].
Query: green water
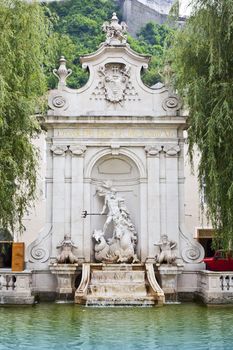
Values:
[(53, 326)]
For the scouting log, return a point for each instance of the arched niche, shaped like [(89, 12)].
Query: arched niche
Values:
[(125, 176)]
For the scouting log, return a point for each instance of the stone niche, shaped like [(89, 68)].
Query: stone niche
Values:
[(114, 129), (123, 172)]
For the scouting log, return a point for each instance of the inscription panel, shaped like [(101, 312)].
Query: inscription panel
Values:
[(119, 133)]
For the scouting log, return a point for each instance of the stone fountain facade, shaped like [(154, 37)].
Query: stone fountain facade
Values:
[(115, 147)]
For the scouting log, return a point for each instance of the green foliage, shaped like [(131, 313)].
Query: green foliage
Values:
[(154, 34), (23, 36), (203, 65), (154, 39), (29, 51), (78, 32)]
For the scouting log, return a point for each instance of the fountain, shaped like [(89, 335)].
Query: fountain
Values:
[(118, 278), (65, 269), (115, 149)]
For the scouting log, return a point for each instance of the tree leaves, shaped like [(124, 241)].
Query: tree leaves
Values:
[(78, 32), (24, 43), (203, 64)]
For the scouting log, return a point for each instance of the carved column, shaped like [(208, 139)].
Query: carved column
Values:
[(172, 195), (49, 183), (58, 201), (87, 231), (153, 168), (143, 220), (181, 181), (163, 194), (68, 192), (77, 197)]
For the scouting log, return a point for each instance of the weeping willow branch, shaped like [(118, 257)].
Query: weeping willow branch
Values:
[(203, 64), (23, 36)]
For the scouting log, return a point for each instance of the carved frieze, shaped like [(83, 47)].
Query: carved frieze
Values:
[(117, 132)]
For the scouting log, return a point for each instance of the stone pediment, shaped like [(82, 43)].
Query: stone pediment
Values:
[(114, 87)]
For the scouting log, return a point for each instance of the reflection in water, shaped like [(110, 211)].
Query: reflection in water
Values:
[(51, 326)]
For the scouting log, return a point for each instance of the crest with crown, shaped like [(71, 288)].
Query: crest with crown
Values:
[(115, 31)]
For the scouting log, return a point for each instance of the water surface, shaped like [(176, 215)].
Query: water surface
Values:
[(68, 326)]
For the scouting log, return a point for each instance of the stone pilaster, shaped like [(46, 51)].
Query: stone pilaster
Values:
[(143, 241), (172, 194), (163, 194), (153, 196), (77, 196), (58, 201)]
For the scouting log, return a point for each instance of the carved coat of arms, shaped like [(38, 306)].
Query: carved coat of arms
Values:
[(115, 79)]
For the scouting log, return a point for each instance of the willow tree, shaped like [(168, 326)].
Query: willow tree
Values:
[(23, 37), (202, 59)]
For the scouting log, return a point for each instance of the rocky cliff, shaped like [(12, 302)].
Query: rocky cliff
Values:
[(137, 13)]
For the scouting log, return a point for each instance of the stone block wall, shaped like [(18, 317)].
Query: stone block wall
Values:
[(136, 14)]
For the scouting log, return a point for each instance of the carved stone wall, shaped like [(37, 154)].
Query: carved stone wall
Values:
[(114, 128), (125, 176)]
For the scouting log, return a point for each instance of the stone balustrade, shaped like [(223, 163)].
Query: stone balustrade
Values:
[(226, 282), (216, 287), (15, 287), (7, 282)]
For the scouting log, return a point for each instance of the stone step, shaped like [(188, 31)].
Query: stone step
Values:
[(119, 284), (117, 276), (117, 290), (134, 301)]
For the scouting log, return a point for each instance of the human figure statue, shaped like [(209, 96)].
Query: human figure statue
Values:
[(115, 30), (66, 256), (166, 255), (111, 202), (121, 246)]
